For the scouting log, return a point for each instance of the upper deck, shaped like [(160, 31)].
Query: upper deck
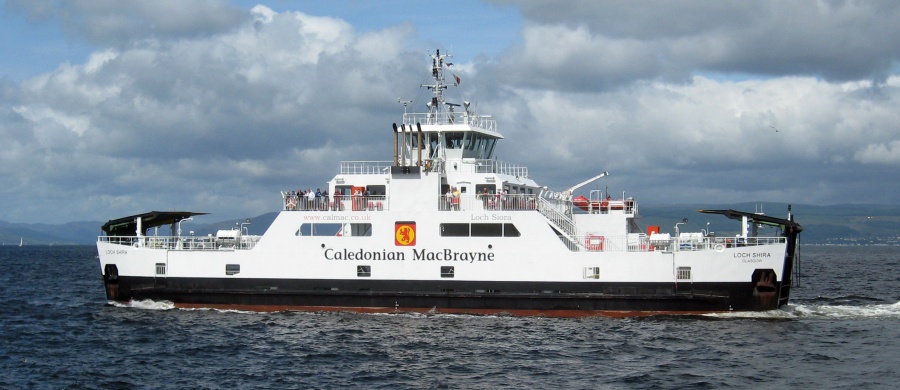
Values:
[(482, 122), (472, 165)]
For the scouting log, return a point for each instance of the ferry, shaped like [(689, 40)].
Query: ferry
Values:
[(445, 227)]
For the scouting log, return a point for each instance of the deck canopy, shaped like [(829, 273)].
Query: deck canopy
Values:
[(783, 224), (127, 226)]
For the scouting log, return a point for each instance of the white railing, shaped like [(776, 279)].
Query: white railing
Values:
[(558, 217), (184, 243), (491, 166), (484, 122), (642, 243), (366, 167), (292, 202), (487, 202)]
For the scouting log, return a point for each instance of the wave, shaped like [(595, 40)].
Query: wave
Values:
[(146, 304), (889, 310), (814, 311), (789, 312)]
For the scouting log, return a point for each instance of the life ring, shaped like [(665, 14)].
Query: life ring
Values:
[(594, 243), (719, 248)]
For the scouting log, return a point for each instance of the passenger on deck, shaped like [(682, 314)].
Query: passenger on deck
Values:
[(337, 201), (357, 200), (447, 198), (485, 198), (455, 198)]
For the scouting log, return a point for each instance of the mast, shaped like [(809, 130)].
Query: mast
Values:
[(437, 89)]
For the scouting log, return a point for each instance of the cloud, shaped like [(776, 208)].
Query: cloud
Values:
[(684, 133), (835, 40), (222, 117), (121, 23), (269, 104), (880, 153)]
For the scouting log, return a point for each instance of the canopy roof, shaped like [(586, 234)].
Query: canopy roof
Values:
[(784, 224), (127, 226)]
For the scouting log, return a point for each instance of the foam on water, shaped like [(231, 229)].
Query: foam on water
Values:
[(796, 311), (146, 304), (789, 312), (875, 311), (770, 315)]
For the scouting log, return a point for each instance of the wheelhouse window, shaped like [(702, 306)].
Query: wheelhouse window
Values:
[(453, 140)]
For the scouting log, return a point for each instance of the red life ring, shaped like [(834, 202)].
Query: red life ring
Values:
[(594, 243), (290, 203)]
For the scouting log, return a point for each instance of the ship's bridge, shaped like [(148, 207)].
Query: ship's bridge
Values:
[(452, 136), (484, 123)]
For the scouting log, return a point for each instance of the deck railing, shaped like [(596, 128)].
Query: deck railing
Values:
[(366, 167), (487, 202), (492, 166), (643, 243), (185, 243), (466, 166), (484, 122), (468, 202), (334, 203)]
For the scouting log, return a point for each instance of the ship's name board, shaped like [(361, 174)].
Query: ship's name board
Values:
[(414, 255), (490, 217), (754, 255)]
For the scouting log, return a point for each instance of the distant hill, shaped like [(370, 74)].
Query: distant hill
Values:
[(837, 224), (85, 233), (71, 233)]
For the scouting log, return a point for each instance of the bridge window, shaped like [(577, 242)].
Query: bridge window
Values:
[(453, 140)]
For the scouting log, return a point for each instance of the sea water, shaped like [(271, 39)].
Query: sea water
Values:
[(841, 330)]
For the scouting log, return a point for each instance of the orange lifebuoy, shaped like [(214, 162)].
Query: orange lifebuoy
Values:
[(594, 243), (290, 202)]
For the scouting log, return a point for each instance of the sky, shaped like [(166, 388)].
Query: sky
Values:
[(110, 108)]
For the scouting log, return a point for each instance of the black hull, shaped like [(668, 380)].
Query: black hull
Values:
[(526, 298)]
